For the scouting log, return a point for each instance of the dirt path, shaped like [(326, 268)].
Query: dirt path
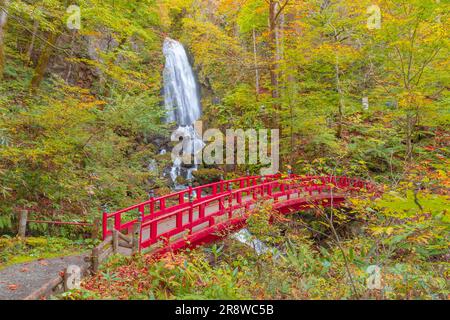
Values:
[(29, 280)]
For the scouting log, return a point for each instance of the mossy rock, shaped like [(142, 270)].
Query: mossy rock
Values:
[(6, 243), (205, 176), (162, 191), (181, 180), (36, 242)]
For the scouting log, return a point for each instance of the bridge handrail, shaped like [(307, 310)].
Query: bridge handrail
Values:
[(181, 227), (186, 191), (199, 188), (253, 183), (163, 198)]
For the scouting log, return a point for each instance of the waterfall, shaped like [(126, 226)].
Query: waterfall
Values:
[(244, 236), (182, 103)]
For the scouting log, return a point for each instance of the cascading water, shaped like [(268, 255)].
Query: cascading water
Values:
[(244, 236), (182, 102)]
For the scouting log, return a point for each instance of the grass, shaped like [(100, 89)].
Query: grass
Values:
[(15, 250)]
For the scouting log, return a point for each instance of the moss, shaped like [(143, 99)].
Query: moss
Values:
[(6, 243), (36, 242), (181, 180), (205, 176), (20, 250), (162, 191), (28, 258)]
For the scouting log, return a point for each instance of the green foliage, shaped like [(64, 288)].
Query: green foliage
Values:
[(169, 278), (378, 153), (17, 250), (253, 14), (67, 150), (312, 264), (205, 176), (209, 45)]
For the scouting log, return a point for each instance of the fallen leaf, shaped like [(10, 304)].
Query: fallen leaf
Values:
[(12, 287), (24, 270), (43, 263)]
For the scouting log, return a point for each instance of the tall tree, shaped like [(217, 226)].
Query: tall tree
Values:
[(276, 9), (4, 4), (43, 61)]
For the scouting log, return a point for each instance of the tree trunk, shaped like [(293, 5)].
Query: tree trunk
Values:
[(3, 19), (292, 90), (409, 135), (279, 42), (23, 217), (256, 65), (341, 100), (273, 66), (33, 40), (42, 64), (272, 45)]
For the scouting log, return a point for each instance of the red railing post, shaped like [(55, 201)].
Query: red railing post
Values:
[(251, 183), (191, 217), (288, 193), (140, 235), (153, 231), (152, 207), (230, 200), (269, 189), (105, 224), (221, 205), (117, 220), (201, 210), (181, 198), (261, 186), (239, 197), (179, 220)]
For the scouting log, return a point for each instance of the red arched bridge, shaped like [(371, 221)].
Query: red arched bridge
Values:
[(201, 214)]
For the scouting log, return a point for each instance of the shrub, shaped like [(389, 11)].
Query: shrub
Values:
[(36, 242), (205, 176)]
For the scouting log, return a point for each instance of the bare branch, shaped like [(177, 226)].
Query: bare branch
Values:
[(281, 9)]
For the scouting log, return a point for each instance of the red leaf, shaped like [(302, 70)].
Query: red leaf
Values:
[(12, 287)]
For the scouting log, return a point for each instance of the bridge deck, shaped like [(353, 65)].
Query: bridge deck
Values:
[(170, 222)]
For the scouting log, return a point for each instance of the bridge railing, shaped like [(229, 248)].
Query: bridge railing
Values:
[(157, 206), (212, 206), (186, 220)]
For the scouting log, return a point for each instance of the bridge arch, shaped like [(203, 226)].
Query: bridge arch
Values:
[(202, 214)]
